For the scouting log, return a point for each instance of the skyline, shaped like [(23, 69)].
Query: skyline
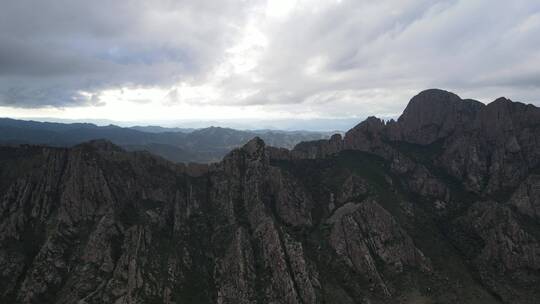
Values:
[(157, 62)]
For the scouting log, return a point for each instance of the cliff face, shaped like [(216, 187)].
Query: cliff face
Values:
[(433, 115), (440, 206), (489, 148)]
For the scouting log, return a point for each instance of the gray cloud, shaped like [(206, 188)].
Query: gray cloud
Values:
[(50, 51), (476, 48), (331, 58)]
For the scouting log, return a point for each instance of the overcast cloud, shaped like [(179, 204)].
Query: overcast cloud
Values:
[(323, 59)]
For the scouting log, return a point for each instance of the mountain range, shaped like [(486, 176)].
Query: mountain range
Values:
[(440, 206), (175, 144)]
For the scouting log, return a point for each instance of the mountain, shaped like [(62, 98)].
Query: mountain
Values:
[(159, 129), (175, 144), (440, 206)]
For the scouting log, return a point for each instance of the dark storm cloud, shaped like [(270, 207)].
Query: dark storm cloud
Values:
[(51, 51)]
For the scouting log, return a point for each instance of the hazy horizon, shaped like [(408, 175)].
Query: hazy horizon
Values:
[(298, 124), (325, 64), (312, 125)]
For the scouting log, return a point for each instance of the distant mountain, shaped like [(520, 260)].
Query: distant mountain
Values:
[(158, 129), (175, 144), (440, 206)]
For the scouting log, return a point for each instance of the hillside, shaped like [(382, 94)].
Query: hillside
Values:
[(440, 206), (175, 144)]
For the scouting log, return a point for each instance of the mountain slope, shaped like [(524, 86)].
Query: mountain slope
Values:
[(379, 216), (178, 145)]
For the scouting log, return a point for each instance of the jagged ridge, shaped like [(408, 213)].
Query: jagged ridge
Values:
[(439, 206)]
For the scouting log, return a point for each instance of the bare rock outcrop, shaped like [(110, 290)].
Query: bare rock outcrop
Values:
[(440, 206), (503, 250), (363, 233), (433, 115), (526, 199)]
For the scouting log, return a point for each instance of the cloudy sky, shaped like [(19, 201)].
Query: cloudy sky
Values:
[(151, 61)]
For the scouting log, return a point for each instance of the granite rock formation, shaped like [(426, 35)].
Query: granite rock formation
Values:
[(440, 206)]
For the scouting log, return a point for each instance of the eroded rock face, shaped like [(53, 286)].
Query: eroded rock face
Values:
[(318, 148), (354, 188), (366, 136), (490, 148), (527, 197), (98, 225), (439, 206), (498, 150), (236, 271), (433, 115), (503, 250), (363, 233)]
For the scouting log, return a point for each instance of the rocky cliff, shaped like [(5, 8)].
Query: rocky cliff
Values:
[(440, 206)]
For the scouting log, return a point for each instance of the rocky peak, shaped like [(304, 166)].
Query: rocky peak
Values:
[(505, 111), (253, 153), (411, 225), (336, 138), (255, 148), (434, 98), (434, 114), (500, 108), (319, 148), (371, 125), (501, 101), (366, 134)]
